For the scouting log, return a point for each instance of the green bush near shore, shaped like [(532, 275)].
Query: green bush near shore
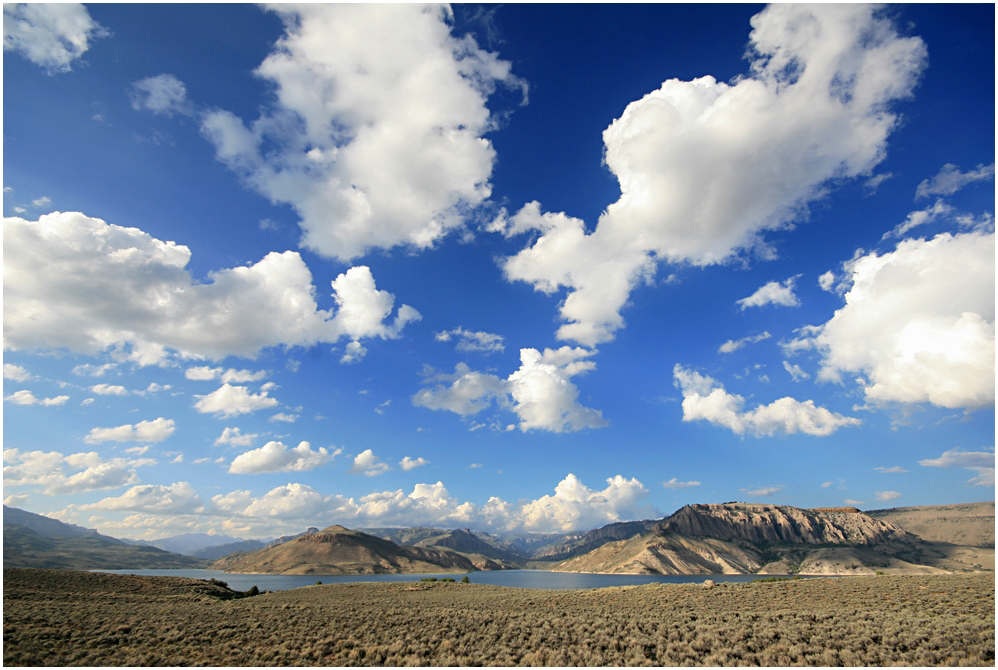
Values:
[(76, 618)]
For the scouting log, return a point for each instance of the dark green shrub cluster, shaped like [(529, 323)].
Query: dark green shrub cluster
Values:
[(923, 620)]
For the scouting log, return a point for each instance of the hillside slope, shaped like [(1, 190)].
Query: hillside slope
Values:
[(339, 551), (970, 524), (24, 548), (744, 538)]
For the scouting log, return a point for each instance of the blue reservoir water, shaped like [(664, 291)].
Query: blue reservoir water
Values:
[(528, 579)]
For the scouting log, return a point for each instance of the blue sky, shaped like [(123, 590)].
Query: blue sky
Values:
[(506, 267)]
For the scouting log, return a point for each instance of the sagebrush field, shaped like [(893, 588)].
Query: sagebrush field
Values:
[(76, 618)]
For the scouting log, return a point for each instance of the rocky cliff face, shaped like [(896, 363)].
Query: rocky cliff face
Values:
[(745, 538), (762, 525)]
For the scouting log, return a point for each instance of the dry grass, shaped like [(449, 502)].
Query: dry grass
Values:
[(71, 618)]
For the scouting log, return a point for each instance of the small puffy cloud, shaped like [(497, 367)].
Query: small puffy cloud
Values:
[(796, 372), (676, 484), (162, 94), (108, 389), (156, 430), (51, 36), (897, 469), (206, 373), (368, 464), (921, 217), (409, 463), (764, 491), (827, 281), (735, 345), (543, 396), (233, 436), (25, 397), (177, 498), (705, 399), (981, 462), (912, 330), (276, 457), (472, 341), (950, 180), (15, 373), (285, 417), (468, 392), (119, 288), (773, 293), (363, 309), (389, 145), (707, 168), (202, 373), (94, 370), (229, 400), (885, 496), (353, 352), (539, 392)]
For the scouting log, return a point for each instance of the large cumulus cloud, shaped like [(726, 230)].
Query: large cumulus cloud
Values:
[(376, 134), (78, 282), (918, 323), (706, 168)]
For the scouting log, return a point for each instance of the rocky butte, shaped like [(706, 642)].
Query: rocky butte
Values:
[(747, 538)]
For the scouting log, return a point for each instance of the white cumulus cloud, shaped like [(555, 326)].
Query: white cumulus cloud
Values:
[(233, 436), (276, 457), (229, 400), (177, 498), (676, 484), (918, 323), (387, 146), (25, 397), (15, 373), (735, 345), (120, 288), (981, 462), (539, 392), (705, 399), (468, 340), (409, 463), (156, 430), (368, 464), (707, 168), (772, 293), (51, 35), (56, 474), (162, 94), (950, 180)]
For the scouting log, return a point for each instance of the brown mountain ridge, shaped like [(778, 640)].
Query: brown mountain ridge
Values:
[(339, 551), (749, 538)]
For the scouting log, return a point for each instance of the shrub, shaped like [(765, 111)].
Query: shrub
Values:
[(465, 580), (218, 582), (253, 591)]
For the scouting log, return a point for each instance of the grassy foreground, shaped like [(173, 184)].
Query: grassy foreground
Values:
[(76, 618)]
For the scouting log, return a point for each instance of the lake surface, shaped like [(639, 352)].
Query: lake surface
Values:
[(527, 579)]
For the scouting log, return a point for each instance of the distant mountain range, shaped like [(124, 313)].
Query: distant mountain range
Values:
[(733, 538)]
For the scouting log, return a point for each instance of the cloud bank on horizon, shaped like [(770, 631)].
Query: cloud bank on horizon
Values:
[(762, 240)]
